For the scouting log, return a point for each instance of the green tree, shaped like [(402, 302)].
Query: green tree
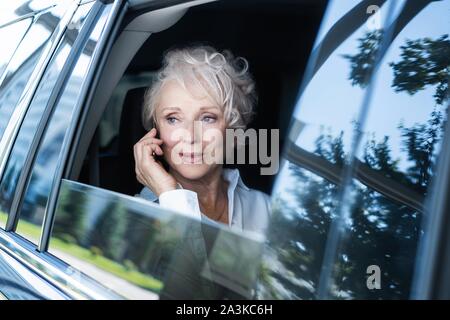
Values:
[(109, 232), (70, 217), (380, 230), (424, 62), (363, 62)]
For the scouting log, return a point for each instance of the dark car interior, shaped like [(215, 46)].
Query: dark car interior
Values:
[(276, 37)]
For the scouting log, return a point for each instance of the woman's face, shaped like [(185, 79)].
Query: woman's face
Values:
[(192, 128)]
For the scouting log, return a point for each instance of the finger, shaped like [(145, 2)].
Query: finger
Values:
[(159, 151), (150, 140), (138, 158), (151, 133), (150, 150)]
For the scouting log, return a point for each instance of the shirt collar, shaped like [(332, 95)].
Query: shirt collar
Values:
[(234, 179)]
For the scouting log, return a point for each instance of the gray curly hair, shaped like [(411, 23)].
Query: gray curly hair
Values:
[(224, 78)]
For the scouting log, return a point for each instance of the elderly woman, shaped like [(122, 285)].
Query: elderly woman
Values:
[(199, 93)]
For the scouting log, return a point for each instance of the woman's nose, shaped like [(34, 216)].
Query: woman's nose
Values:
[(194, 130)]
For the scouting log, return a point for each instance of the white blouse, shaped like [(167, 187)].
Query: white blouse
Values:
[(248, 209)]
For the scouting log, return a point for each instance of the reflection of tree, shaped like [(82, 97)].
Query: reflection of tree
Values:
[(109, 231), (384, 232), (296, 239), (420, 143), (362, 63), (7, 187), (423, 62), (150, 243), (381, 231), (70, 224)]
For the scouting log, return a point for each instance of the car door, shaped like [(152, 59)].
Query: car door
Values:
[(97, 244), (48, 105)]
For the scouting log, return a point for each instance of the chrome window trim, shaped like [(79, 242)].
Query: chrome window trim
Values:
[(55, 271), (21, 278), (3, 75), (69, 64), (28, 15), (112, 25), (73, 284), (11, 130)]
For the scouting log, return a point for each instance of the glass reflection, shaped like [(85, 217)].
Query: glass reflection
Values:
[(396, 161), (9, 10), (47, 158), (34, 114), (3, 218), (306, 190), (12, 10), (9, 44), (23, 62), (142, 251), (15, 286)]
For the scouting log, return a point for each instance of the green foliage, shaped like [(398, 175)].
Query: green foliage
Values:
[(95, 251), (129, 265), (420, 142), (110, 228), (424, 62), (362, 63), (381, 231), (70, 219), (67, 238)]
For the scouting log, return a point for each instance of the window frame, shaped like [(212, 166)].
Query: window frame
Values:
[(14, 215), (58, 273), (31, 14), (54, 270), (87, 92), (32, 18), (15, 122)]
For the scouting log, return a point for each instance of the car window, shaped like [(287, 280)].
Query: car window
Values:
[(46, 159), (13, 10), (307, 190), (142, 251), (396, 160), (24, 60), (11, 36), (38, 107)]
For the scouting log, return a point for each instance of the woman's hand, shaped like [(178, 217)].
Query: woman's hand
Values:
[(150, 171)]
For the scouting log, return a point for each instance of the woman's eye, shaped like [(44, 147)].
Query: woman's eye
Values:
[(209, 119), (171, 120)]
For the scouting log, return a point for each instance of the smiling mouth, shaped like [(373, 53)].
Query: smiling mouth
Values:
[(191, 157)]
